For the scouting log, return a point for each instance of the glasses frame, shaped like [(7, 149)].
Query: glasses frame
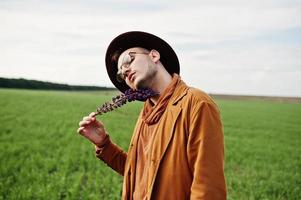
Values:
[(119, 75)]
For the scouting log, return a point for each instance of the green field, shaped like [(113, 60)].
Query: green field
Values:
[(42, 156)]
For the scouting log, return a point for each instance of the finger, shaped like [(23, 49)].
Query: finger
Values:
[(92, 118), (86, 118), (83, 123), (80, 129)]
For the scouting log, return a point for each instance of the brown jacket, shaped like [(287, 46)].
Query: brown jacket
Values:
[(187, 156)]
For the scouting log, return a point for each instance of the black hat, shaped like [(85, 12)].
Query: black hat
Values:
[(148, 41)]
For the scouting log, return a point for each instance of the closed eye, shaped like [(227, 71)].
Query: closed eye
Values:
[(132, 59)]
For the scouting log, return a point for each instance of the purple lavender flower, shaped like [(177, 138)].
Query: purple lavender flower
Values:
[(128, 96)]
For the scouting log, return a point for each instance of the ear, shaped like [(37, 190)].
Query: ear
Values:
[(155, 55)]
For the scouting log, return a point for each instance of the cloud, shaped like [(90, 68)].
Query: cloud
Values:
[(224, 47)]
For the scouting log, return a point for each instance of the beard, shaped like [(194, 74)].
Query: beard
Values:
[(148, 78)]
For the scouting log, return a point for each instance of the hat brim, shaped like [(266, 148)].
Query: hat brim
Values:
[(132, 39)]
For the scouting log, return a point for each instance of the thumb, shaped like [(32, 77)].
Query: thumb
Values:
[(92, 114)]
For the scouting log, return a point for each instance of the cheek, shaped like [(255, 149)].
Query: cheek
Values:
[(140, 65)]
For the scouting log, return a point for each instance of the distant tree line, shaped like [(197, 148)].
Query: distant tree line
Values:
[(41, 85)]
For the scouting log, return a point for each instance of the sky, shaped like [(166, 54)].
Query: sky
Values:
[(224, 47)]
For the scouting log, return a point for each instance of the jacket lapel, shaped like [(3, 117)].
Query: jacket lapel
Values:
[(130, 166)]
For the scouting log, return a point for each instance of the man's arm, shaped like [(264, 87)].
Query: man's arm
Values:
[(205, 151), (112, 155), (107, 151)]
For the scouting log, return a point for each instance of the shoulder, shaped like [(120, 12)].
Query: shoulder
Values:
[(196, 100), (198, 96), (191, 98)]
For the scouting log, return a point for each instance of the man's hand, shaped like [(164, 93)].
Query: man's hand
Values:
[(92, 129)]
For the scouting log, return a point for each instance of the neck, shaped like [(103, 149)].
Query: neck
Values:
[(159, 84)]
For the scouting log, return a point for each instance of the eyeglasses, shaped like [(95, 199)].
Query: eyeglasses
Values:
[(126, 62)]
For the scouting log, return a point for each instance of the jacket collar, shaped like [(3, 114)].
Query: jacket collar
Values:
[(179, 93)]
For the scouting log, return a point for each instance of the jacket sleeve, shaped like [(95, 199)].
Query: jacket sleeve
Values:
[(205, 150), (113, 156)]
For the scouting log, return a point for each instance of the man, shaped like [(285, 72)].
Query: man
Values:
[(177, 148)]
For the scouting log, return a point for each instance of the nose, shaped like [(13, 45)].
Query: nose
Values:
[(125, 70)]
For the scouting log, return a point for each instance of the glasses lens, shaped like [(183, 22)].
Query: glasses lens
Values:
[(125, 61)]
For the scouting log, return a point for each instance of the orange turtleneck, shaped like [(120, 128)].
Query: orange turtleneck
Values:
[(151, 115)]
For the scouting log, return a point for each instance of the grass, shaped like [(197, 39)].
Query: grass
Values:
[(263, 149), (42, 156)]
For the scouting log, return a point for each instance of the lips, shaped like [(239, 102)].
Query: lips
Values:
[(131, 76)]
